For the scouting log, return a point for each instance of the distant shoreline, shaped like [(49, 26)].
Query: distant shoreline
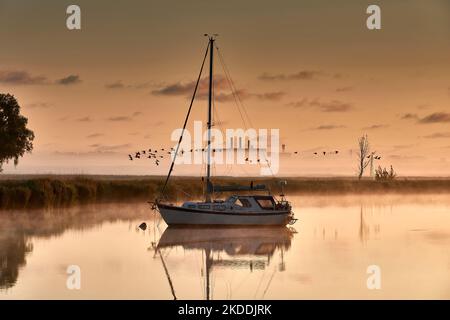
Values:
[(49, 191)]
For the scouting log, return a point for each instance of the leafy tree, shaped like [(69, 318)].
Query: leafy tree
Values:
[(15, 137)]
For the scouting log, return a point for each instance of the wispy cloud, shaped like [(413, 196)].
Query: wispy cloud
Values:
[(38, 105), (115, 85), (409, 116), (84, 119), (436, 118), (438, 135), (222, 91), (21, 78), (324, 106), (187, 88), (69, 80), (137, 114), (403, 146), (120, 85), (332, 106), (301, 75), (376, 126), (271, 96), (299, 104), (119, 118), (344, 89), (405, 157), (328, 127), (109, 148), (228, 96), (94, 135)]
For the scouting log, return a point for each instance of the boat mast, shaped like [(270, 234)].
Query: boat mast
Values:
[(209, 124)]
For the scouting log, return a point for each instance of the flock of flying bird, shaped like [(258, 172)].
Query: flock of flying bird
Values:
[(150, 154), (157, 154)]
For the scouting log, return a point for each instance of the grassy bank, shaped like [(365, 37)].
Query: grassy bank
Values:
[(59, 191)]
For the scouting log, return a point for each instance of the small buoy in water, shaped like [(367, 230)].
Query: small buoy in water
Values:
[(143, 226)]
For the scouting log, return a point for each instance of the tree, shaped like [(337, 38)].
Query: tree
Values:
[(363, 155), (15, 137)]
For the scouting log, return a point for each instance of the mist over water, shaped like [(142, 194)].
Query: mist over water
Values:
[(325, 255)]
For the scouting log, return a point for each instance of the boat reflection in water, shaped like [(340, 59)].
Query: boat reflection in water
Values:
[(244, 247)]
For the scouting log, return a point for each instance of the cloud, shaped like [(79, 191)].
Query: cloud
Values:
[(222, 92), (330, 106), (69, 80), (119, 118), (21, 78), (271, 96), (376, 126), (94, 135), (298, 104), (228, 96), (84, 119), (328, 127), (187, 88), (137, 114), (115, 85), (344, 89), (109, 148), (403, 146), (120, 85), (333, 106), (436, 117), (38, 105), (301, 75), (403, 157), (423, 106), (438, 135), (409, 116)]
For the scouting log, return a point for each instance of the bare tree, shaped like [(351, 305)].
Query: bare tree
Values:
[(363, 155)]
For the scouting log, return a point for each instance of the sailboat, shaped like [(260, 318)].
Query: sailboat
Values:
[(250, 209)]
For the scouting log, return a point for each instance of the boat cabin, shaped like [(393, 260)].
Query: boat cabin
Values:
[(251, 203)]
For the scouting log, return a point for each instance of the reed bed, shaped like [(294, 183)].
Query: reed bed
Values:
[(61, 191)]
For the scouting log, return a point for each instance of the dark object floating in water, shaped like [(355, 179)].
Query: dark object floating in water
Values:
[(143, 226)]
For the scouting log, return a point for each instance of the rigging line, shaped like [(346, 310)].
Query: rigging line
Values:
[(186, 120), (233, 91), (237, 99), (223, 149), (232, 83)]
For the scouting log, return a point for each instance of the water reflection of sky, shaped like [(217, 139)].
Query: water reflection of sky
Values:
[(325, 256)]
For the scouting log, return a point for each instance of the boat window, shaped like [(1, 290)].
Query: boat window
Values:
[(243, 203), (191, 206), (219, 207), (204, 206), (266, 204)]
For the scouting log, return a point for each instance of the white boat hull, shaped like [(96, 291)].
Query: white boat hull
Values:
[(173, 215)]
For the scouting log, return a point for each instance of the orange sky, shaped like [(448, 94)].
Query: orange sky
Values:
[(310, 68)]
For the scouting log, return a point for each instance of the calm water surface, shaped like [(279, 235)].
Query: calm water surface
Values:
[(324, 255)]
